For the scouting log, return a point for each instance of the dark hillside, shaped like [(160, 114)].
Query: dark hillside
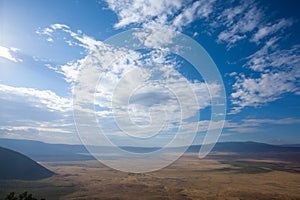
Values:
[(14, 165)]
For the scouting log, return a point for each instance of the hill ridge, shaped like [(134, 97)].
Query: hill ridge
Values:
[(15, 165)]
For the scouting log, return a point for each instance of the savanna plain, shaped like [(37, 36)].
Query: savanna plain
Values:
[(187, 178)]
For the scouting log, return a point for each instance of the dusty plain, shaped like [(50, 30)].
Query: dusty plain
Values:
[(187, 178)]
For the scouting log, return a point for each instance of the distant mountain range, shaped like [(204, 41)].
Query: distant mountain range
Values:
[(247, 147), (14, 165), (41, 151)]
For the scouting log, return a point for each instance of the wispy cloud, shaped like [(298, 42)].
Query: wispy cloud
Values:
[(69, 70), (28, 128), (44, 31), (197, 10), (36, 98), (141, 12), (9, 53), (275, 69), (238, 21), (285, 121), (278, 72), (271, 57), (271, 28), (161, 18), (63, 135), (259, 91), (254, 125), (28, 113)]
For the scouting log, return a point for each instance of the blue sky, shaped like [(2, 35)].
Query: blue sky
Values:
[(254, 44)]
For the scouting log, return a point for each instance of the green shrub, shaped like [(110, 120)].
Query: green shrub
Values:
[(22, 196)]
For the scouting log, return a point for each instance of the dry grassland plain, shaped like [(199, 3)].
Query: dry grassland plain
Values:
[(187, 178)]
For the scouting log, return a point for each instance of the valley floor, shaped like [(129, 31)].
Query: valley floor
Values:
[(187, 178)]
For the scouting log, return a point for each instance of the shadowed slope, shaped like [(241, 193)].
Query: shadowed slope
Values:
[(14, 165)]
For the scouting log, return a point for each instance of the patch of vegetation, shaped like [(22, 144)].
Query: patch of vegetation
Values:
[(256, 167), (49, 190), (22, 196)]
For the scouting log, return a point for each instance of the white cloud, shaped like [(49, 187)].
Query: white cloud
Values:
[(49, 39), (34, 114), (284, 121), (28, 128), (99, 56), (45, 31), (153, 15), (270, 57), (161, 17), (81, 39), (259, 91), (237, 22), (275, 70), (8, 53), (126, 91), (245, 20), (254, 125), (139, 12), (173, 93), (174, 14), (270, 29), (69, 70), (36, 98), (156, 36), (57, 26), (198, 10), (161, 78), (49, 135), (278, 71)]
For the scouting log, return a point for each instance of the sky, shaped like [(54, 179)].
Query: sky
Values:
[(60, 60)]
